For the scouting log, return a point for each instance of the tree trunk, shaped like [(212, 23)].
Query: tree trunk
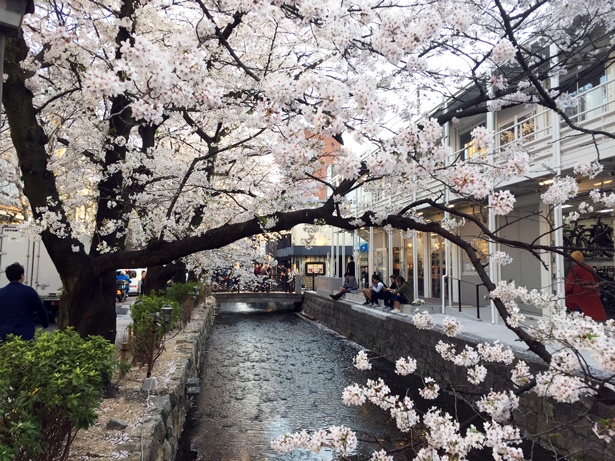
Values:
[(88, 303), (158, 276)]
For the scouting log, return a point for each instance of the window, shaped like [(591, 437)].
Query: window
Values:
[(482, 248), (522, 127), (470, 150), (586, 97)]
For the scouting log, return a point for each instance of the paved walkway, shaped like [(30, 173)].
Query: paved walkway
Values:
[(475, 329)]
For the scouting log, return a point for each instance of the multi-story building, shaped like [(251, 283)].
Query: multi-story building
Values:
[(428, 260), (328, 252)]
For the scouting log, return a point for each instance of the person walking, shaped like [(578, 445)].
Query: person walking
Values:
[(581, 289), (19, 306)]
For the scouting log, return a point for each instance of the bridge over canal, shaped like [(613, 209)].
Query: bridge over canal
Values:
[(248, 297)]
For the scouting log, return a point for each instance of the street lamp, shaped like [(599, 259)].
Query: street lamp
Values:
[(11, 15), (166, 312)]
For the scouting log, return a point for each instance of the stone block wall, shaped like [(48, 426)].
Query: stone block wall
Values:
[(566, 427), (164, 422)]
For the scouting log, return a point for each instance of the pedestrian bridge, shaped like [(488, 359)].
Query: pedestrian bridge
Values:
[(248, 297)]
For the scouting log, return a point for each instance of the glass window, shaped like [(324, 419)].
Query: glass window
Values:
[(469, 148), (482, 248), (523, 128), (507, 133)]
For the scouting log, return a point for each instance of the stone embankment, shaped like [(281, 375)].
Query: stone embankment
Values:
[(566, 427), (135, 425)]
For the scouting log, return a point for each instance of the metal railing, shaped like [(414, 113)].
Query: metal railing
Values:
[(445, 279), (277, 283)]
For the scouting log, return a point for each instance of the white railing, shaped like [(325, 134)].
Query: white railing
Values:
[(589, 109)]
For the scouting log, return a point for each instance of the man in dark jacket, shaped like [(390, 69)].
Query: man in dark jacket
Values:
[(19, 304)]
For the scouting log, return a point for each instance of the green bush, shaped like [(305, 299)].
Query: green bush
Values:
[(181, 292), (49, 389), (142, 313)]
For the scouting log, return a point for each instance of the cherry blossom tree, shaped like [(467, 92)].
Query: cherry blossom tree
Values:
[(148, 132)]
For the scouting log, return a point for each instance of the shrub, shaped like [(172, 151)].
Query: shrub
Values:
[(181, 292), (187, 295), (142, 313), (49, 389)]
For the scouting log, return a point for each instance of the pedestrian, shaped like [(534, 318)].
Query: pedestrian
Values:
[(364, 277), (142, 283), (292, 274), (350, 284), (19, 304), (403, 294), (372, 294), (350, 267), (582, 292)]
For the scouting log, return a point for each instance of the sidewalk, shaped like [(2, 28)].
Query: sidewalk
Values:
[(472, 328)]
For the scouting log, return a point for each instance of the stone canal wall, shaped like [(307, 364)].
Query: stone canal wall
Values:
[(564, 426), (164, 422)]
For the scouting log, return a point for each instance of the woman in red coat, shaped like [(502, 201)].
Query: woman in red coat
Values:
[(582, 289)]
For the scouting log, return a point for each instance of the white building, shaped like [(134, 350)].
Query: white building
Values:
[(555, 149)]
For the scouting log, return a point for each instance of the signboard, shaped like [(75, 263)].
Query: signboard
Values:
[(315, 268)]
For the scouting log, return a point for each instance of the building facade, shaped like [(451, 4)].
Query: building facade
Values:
[(441, 270)]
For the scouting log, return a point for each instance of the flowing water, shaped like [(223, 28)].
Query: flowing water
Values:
[(268, 373)]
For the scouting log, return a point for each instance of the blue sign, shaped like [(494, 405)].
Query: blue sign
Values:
[(363, 247)]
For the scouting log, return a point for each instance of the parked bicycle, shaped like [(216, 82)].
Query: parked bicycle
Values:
[(596, 240)]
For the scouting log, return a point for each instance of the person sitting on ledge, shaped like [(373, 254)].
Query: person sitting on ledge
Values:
[(376, 291), (402, 294), (350, 284), (388, 293)]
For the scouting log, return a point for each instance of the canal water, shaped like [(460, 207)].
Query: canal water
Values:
[(267, 373)]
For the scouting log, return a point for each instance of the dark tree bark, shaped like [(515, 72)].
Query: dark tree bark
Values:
[(158, 277)]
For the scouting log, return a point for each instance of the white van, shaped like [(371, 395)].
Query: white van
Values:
[(135, 279)]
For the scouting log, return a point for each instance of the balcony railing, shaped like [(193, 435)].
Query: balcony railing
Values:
[(589, 108)]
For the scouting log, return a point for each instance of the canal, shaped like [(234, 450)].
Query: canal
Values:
[(268, 373)]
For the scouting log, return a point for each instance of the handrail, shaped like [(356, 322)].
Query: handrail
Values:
[(459, 281)]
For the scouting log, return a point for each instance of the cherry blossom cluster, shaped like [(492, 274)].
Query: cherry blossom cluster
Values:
[(580, 333), (422, 320), (405, 366), (431, 390), (603, 198), (338, 438), (452, 223), (589, 169), (451, 326), (361, 361), (501, 202), (507, 293), (499, 405), (503, 51), (562, 190), (501, 258), (483, 138)]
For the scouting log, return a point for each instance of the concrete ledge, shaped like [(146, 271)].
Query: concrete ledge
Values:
[(567, 427)]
